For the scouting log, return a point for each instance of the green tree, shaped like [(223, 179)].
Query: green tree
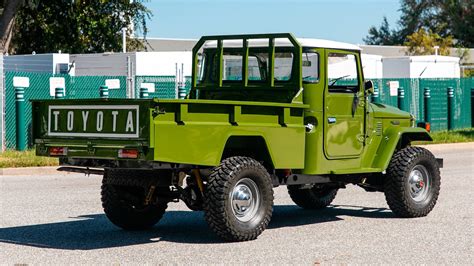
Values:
[(458, 18), (423, 42), (7, 21), (382, 36), (416, 14), (445, 17), (80, 26)]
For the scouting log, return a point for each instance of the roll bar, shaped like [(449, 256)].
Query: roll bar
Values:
[(245, 49)]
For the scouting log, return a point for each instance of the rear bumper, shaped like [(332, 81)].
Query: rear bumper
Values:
[(93, 149), (85, 164)]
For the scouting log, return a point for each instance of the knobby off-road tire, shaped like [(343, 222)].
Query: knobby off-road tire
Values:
[(238, 200), (317, 197), (412, 182), (123, 195)]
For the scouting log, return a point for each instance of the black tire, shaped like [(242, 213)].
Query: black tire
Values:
[(225, 184), (412, 182), (317, 197), (123, 195)]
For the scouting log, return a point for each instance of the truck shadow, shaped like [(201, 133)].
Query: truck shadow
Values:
[(94, 231)]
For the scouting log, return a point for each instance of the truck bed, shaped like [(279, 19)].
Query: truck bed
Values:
[(175, 131)]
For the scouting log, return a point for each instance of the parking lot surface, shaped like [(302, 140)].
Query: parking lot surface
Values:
[(58, 219)]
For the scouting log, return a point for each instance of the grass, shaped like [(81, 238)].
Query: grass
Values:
[(460, 135), (28, 158)]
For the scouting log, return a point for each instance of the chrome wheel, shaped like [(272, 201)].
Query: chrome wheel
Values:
[(245, 199), (419, 183)]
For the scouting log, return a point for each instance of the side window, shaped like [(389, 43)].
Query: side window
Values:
[(310, 67), (342, 73)]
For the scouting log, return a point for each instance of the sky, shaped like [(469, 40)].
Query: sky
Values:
[(339, 20)]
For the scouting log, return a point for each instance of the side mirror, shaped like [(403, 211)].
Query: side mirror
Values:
[(369, 87)]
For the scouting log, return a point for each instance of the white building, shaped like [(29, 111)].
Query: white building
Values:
[(132, 64), (372, 66), (55, 63), (426, 66)]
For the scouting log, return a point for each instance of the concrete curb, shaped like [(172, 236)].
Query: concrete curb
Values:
[(52, 170), (449, 146), (48, 170)]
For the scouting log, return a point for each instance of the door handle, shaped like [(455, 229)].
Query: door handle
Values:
[(331, 120)]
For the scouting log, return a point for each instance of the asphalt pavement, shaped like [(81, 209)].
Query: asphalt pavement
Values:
[(58, 219)]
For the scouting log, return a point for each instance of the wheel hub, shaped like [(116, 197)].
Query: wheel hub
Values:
[(242, 197), (245, 199), (418, 182)]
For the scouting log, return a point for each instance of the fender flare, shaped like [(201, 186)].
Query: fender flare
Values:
[(396, 138)]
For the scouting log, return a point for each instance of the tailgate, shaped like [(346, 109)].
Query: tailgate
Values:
[(91, 128)]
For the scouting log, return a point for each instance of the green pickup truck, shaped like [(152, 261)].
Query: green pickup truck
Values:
[(264, 110)]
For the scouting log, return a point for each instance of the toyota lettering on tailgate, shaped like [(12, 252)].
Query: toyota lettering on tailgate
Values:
[(114, 121)]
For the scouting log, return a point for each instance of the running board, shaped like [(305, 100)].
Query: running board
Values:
[(297, 179)]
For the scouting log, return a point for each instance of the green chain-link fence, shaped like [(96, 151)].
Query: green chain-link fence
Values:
[(88, 87), (76, 87), (414, 99), (164, 86)]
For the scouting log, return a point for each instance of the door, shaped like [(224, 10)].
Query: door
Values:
[(344, 105)]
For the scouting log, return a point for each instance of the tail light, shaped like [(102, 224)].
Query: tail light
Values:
[(425, 125), (428, 127), (128, 153), (57, 151)]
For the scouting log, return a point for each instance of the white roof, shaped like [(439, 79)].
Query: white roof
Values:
[(424, 58), (372, 56), (305, 42)]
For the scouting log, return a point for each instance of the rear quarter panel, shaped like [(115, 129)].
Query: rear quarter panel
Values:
[(196, 132)]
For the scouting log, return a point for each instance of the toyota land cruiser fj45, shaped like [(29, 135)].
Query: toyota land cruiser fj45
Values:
[(264, 110)]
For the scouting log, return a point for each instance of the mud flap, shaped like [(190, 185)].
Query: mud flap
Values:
[(440, 162)]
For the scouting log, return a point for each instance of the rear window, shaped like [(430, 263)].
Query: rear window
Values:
[(258, 66), (232, 68)]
